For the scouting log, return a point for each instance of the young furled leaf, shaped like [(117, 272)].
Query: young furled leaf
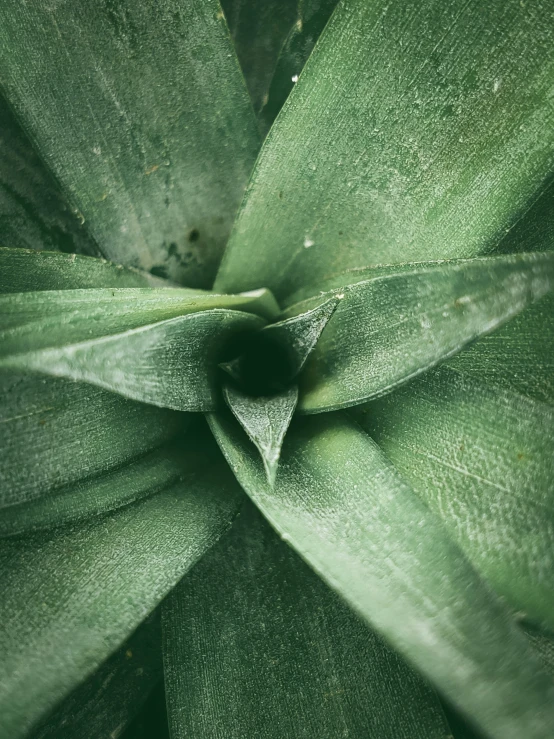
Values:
[(265, 419)]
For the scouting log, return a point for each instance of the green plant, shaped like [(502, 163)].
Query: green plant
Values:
[(383, 312)]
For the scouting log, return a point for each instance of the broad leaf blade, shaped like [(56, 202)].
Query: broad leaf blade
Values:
[(141, 112), (407, 138), (92, 496), (59, 625), (33, 213), (265, 419), (480, 456), (171, 364), (256, 644), (345, 509), (107, 702), (387, 330), (26, 271), (55, 433)]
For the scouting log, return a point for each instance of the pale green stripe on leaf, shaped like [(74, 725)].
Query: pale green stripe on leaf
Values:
[(389, 329), (70, 597), (255, 645), (171, 364), (142, 114), (481, 456), (418, 130), (345, 509)]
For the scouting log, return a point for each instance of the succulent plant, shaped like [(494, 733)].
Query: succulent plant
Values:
[(276, 425)]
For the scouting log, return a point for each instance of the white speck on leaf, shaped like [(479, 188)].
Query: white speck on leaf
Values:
[(295, 78), (308, 242)]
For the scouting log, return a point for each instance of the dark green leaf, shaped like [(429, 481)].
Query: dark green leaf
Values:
[(481, 457), (387, 330), (311, 20), (142, 114), (172, 363), (33, 213), (265, 419), (70, 597), (55, 433), (102, 706), (24, 271), (418, 130), (345, 509), (258, 30), (255, 645)]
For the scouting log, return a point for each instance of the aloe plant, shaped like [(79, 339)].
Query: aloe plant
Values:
[(277, 416)]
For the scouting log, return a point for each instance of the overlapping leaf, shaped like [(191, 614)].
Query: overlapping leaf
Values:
[(71, 596), (407, 137), (391, 328), (481, 457), (345, 509), (103, 705), (141, 112), (255, 645)]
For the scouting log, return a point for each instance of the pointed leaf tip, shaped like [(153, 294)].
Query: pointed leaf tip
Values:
[(301, 333), (265, 420)]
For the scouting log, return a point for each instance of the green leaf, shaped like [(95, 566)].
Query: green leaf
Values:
[(310, 22), (141, 113), (258, 30), (255, 645), (418, 130), (106, 703), (480, 456), (55, 433), (70, 597), (93, 496), (172, 363), (265, 419), (35, 320), (152, 719), (25, 271), (33, 213), (390, 329), (344, 508)]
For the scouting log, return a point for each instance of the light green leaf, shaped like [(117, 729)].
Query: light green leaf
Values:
[(106, 703), (344, 508), (22, 270), (390, 329), (172, 363), (55, 433), (33, 213), (258, 30), (255, 645), (36, 320), (70, 597), (311, 19), (142, 114), (481, 457), (265, 419), (418, 130)]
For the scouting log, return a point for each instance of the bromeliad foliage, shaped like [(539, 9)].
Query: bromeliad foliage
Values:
[(374, 361)]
